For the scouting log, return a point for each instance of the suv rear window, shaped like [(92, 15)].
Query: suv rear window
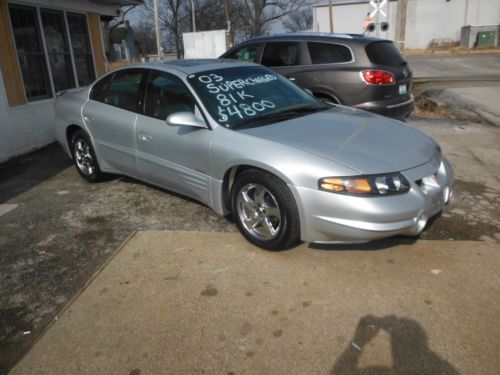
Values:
[(327, 53), (384, 53)]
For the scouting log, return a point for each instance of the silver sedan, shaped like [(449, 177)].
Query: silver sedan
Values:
[(247, 142)]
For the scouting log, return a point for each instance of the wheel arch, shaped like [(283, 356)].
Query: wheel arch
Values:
[(231, 174), (327, 95), (70, 131)]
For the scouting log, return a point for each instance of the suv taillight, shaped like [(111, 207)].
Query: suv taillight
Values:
[(378, 77)]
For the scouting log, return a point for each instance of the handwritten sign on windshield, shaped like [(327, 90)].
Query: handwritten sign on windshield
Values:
[(232, 97)]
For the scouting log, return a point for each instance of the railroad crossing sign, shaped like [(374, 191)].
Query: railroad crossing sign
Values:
[(378, 7)]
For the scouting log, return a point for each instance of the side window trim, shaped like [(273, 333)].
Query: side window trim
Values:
[(108, 77), (260, 47), (117, 73), (188, 87)]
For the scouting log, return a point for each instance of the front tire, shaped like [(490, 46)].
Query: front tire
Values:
[(265, 211), (84, 157)]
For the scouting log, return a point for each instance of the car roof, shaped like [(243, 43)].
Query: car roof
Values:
[(191, 66), (310, 35)]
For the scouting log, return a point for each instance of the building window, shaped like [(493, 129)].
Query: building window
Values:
[(56, 42), (82, 51), (61, 41), (30, 52)]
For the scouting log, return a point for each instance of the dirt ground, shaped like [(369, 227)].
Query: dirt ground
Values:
[(56, 230)]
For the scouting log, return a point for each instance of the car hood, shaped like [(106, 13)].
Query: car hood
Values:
[(357, 139)]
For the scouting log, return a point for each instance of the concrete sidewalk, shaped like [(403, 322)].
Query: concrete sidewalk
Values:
[(484, 101), (193, 302), (476, 102)]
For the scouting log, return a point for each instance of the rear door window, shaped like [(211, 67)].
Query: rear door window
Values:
[(122, 91), (249, 53), (327, 53), (281, 54), (384, 53)]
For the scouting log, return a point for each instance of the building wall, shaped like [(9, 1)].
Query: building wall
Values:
[(441, 20), (25, 126), (350, 18), (427, 20)]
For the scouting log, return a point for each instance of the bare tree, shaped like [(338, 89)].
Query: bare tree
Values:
[(145, 37), (248, 17), (257, 15), (300, 20), (117, 21), (210, 15), (174, 18)]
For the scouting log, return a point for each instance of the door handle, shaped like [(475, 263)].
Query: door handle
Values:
[(88, 118), (291, 79), (145, 137)]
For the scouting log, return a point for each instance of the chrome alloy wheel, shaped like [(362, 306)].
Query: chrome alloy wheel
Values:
[(258, 211), (83, 157)]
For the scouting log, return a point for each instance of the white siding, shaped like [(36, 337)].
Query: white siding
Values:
[(350, 19), (24, 128)]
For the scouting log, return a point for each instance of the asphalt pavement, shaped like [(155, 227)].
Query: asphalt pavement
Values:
[(467, 83), (466, 67)]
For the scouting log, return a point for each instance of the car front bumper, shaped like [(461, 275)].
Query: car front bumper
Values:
[(335, 218)]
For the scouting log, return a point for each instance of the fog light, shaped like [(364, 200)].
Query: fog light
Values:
[(446, 195), (421, 223), (432, 181)]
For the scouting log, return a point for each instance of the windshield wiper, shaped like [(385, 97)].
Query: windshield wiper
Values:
[(283, 114)]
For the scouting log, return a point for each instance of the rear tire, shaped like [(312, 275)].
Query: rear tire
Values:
[(84, 157), (265, 211)]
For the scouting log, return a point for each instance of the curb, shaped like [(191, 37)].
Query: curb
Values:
[(460, 107)]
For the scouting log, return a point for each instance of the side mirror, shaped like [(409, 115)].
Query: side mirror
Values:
[(185, 119)]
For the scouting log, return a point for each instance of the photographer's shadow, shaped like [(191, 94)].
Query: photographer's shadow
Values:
[(410, 350)]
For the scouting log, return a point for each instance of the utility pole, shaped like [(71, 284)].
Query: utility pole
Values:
[(466, 14), (157, 28), (229, 31), (193, 15), (400, 34), (330, 14)]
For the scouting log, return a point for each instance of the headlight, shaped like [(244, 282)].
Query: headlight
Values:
[(373, 185)]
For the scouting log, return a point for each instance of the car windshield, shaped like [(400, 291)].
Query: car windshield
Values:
[(251, 96)]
